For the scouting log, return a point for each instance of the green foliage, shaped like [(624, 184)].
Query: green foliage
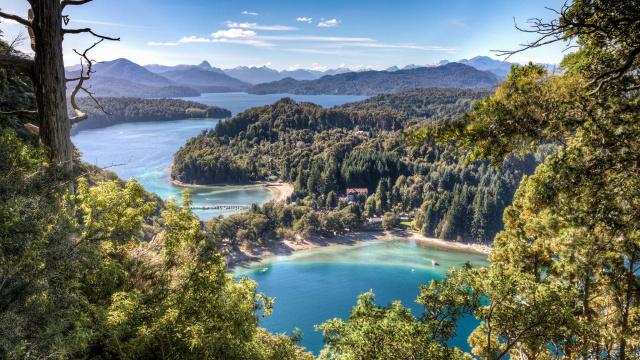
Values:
[(360, 145), (127, 109), (564, 275), (391, 332)]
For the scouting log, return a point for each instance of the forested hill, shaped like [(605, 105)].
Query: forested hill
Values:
[(325, 151), (425, 103), (452, 75), (125, 110)]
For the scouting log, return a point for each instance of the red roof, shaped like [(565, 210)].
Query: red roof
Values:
[(358, 191)]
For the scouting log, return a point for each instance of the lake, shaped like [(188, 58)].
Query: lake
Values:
[(310, 286), (315, 285), (145, 150)]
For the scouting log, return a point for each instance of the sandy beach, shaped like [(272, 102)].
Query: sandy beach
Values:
[(285, 246), (281, 191)]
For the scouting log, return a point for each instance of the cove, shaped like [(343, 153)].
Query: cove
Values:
[(145, 150), (312, 286)]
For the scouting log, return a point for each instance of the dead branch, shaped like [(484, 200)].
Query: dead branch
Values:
[(30, 113), (18, 64), (17, 41), (64, 3), (569, 27), (88, 30), (16, 18), (32, 128), (99, 169), (72, 98), (32, 35), (615, 73)]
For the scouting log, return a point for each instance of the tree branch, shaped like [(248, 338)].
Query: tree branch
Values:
[(32, 128), (72, 98), (18, 64), (64, 3), (615, 73), (88, 30), (30, 113), (16, 18)]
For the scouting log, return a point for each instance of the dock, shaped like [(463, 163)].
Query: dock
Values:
[(221, 207)]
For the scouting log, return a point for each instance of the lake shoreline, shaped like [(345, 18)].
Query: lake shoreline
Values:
[(282, 247), (281, 190)]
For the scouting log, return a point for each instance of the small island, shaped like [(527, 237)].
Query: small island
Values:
[(107, 111)]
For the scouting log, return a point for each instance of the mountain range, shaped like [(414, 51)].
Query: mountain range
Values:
[(122, 77), (452, 75)]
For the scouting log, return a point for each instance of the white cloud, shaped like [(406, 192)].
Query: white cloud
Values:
[(108, 24), (254, 26), (294, 67), (191, 39), (316, 38), (317, 51), (9, 22), (233, 33), (401, 46), (256, 43), (304, 19), (161, 44), (363, 67), (329, 23), (317, 67), (249, 13), (458, 22)]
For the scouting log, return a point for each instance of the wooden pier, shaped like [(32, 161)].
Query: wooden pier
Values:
[(221, 207)]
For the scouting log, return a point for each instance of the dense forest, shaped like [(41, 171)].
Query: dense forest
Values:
[(452, 75), (95, 267), (105, 112), (92, 267), (361, 145)]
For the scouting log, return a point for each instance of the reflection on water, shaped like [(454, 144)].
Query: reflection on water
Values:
[(315, 285)]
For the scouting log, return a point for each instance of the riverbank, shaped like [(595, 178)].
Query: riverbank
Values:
[(281, 247)]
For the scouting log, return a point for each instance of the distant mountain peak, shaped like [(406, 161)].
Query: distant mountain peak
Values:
[(205, 65)]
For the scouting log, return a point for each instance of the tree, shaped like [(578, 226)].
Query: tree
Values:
[(47, 73), (570, 249), (391, 332), (390, 221)]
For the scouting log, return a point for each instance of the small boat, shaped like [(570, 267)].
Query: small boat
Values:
[(264, 269), (413, 270), (433, 262)]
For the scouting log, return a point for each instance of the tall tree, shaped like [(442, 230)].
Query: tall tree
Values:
[(46, 69), (571, 244)]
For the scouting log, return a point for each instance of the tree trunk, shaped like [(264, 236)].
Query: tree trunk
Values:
[(50, 83)]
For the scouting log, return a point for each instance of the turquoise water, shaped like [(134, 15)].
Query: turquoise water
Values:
[(316, 285), (145, 150)]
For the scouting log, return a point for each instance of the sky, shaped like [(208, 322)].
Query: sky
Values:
[(292, 34)]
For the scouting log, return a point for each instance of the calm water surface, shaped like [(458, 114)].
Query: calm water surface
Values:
[(316, 285), (146, 149), (310, 286)]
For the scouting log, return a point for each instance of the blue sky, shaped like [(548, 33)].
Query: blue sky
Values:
[(301, 34)]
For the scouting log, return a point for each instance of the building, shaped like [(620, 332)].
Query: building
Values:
[(374, 222), (351, 193)]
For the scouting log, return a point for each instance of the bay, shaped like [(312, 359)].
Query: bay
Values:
[(315, 285), (145, 150)]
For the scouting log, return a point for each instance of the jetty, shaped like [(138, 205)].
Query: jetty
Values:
[(221, 207)]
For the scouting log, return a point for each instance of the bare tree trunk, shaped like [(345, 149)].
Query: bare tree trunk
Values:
[(49, 81)]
